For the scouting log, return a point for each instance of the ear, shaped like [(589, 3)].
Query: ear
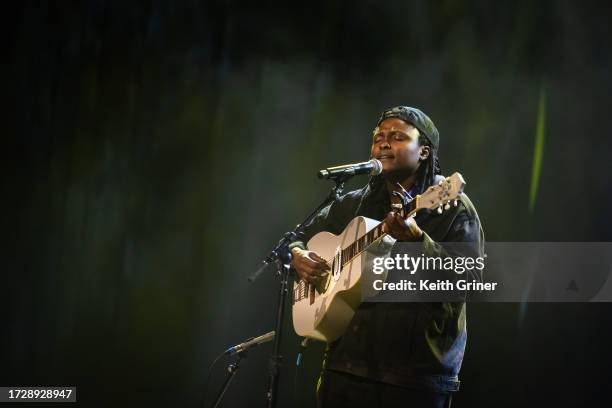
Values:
[(425, 152)]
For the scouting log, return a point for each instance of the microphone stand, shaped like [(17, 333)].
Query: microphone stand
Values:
[(282, 256), (232, 369)]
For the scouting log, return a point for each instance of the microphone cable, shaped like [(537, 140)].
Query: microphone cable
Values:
[(298, 362)]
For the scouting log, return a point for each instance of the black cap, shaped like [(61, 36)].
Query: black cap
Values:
[(417, 118)]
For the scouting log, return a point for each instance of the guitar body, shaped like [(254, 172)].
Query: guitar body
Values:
[(324, 313)]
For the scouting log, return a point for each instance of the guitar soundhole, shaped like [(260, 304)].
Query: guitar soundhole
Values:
[(337, 266)]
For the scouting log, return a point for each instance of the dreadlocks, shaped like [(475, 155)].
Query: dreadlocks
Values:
[(429, 168)]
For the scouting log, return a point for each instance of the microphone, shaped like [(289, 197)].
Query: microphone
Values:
[(373, 167), (239, 348)]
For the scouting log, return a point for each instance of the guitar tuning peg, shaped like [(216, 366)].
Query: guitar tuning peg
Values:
[(447, 206), (455, 203), (440, 209)]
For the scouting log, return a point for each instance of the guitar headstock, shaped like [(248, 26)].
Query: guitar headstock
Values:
[(441, 195)]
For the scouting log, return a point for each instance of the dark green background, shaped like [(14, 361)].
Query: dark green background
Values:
[(156, 150)]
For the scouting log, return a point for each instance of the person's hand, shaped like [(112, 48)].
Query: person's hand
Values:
[(308, 265), (402, 229)]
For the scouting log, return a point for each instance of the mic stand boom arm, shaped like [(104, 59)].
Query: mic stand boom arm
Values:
[(291, 236)]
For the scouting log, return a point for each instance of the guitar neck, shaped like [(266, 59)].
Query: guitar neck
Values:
[(362, 243), (445, 191)]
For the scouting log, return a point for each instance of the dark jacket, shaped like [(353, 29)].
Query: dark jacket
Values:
[(416, 345)]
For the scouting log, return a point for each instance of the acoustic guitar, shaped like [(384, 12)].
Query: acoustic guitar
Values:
[(324, 311)]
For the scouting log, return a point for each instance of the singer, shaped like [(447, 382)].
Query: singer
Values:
[(396, 354)]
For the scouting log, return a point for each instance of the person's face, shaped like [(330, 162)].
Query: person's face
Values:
[(396, 144)]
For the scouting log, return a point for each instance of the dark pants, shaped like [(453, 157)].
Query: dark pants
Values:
[(339, 390)]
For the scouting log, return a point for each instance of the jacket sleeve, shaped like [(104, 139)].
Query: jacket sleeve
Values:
[(459, 235), (332, 218), (319, 223), (465, 239)]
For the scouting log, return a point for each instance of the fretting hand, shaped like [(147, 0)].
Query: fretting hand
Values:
[(402, 229)]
